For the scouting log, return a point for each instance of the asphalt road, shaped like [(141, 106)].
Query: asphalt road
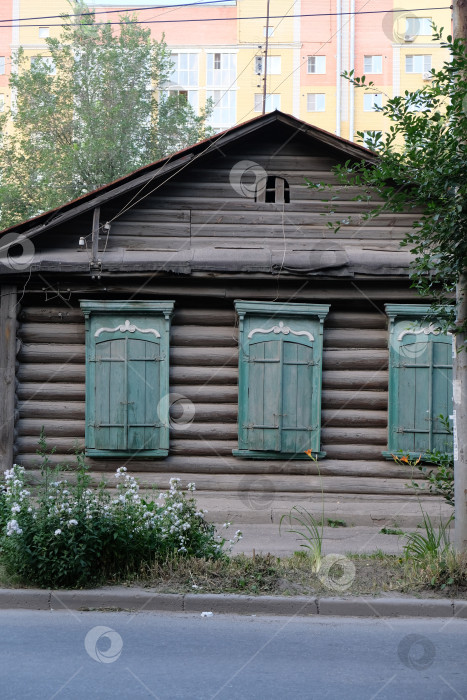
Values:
[(69, 655)]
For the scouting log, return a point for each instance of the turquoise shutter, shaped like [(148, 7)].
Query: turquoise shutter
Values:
[(127, 369), (109, 395), (264, 396), (298, 427), (279, 379), (420, 384)]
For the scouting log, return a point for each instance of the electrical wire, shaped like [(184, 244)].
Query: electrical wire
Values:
[(109, 12), (238, 19)]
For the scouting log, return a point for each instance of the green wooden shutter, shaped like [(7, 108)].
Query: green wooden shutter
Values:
[(420, 383), (127, 369), (279, 379)]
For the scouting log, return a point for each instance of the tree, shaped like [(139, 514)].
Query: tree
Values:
[(421, 164), (87, 114)]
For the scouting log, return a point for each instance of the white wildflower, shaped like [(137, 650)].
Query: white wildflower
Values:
[(13, 527), (72, 522), (15, 508), (58, 532)]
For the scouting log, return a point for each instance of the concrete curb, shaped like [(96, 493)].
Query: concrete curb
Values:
[(141, 600)]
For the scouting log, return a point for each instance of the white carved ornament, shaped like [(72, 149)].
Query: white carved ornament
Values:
[(126, 327), (427, 330), (285, 330)]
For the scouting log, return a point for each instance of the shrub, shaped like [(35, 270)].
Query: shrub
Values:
[(75, 536)]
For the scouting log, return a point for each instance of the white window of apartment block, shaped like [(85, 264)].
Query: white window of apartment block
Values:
[(48, 60), (185, 71), (2, 65), (221, 69), (224, 112), (269, 30), (43, 32), (372, 101), (273, 101), (316, 102), (418, 26), (373, 64), (316, 64), (190, 96), (274, 65), (418, 64)]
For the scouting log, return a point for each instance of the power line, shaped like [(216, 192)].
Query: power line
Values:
[(109, 12), (238, 19)]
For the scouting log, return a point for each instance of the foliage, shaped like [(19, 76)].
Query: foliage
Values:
[(420, 165), (88, 114), (439, 479), (75, 536), (303, 523), (431, 543)]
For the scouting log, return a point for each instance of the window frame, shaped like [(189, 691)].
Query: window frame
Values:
[(424, 57), (321, 59), (316, 95), (369, 58), (373, 101), (407, 319), (139, 313), (268, 315)]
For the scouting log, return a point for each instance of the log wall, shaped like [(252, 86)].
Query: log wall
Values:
[(204, 360)]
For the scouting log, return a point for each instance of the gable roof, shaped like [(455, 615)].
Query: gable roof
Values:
[(170, 164), (357, 254)]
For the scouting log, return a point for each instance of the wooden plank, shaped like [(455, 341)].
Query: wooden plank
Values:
[(57, 314), (52, 333), (354, 435), (203, 375), (348, 417), (364, 452), (8, 303), (51, 353)]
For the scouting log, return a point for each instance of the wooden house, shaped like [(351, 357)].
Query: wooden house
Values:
[(199, 318)]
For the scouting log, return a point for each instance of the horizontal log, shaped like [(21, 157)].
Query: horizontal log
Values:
[(354, 435), (44, 410), (356, 452), (204, 317), (53, 428), (76, 392), (349, 418), (356, 379), (213, 357), (50, 390), (271, 483), (234, 465), (332, 399), (355, 359), (355, 338), (66, 445), (51, 373), (51, 314), (51, 353), (76, 373), (182, 316), (351, 319), (51, 332), (190, 336)]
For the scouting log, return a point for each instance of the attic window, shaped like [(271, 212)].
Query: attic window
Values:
[(274, 190)]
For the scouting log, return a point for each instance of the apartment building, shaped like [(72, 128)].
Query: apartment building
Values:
[(219, 52)]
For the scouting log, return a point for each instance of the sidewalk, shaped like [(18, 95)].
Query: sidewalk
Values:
[(264, 539)]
